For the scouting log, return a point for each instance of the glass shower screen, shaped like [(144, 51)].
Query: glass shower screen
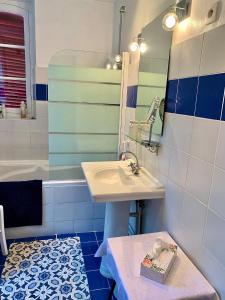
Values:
[(84, 108)]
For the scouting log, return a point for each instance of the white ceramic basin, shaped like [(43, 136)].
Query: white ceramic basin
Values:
[(114, 181)]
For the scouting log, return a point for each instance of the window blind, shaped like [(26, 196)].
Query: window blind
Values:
[(12, 60)]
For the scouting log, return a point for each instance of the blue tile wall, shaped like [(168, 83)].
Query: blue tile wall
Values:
[(171, 95), (210, 96), (132, 96), (41, 92), (197, 96), (186, 96)]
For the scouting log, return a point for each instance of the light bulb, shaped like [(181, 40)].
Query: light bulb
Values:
[(143, 47), (108, 66), (118, 58), (115, 67), (170, 21), (134, 46)]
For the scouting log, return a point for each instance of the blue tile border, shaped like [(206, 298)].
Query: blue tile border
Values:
[(41, 92), (210, 96), (201, 96), (186, 96), (132, 96), (171, 96)]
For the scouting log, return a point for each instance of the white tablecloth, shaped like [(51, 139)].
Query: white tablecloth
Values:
[(124, 256)]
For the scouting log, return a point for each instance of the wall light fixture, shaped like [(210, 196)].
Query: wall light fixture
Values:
[(176, 14)]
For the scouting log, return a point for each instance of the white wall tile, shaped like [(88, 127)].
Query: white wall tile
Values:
[(220, 157), (199, 179), (99, 210), (193, 220), (48, 213), (83, 210), (42, 75), (6, 125), (178, 167), (6, 153), (213, 60), (83, 226), (164, 160), (213, 270), (47, 194), (71, 194), (204, 138), (167, 137), (39, 125), (39, 139), (63, 227), (190, 57), (175, 60), (172, 209), (38, 153), (20, 153), (217, 198), (98, 224), (182, 132), (64, 211), (214, 236)]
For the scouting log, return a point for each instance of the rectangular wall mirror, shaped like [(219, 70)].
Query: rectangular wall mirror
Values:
[(153, 74)]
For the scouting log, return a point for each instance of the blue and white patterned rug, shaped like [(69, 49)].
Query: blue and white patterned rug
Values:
[(45, 270)]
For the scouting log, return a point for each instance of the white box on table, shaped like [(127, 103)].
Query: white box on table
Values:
[(158, 268)]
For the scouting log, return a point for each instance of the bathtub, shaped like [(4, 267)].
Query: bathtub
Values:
[(67, 203)]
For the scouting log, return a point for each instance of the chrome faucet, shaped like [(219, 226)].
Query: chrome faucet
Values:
[(134, 165)]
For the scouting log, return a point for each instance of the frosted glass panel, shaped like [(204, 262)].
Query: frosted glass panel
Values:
[(82, 143), (84, 109), (59, 72), (79, 118), (84, 92), (76, 159)]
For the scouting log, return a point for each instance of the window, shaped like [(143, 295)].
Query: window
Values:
[(15, 59)]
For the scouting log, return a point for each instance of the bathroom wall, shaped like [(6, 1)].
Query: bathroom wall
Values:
[(191, 161), (25, 139)]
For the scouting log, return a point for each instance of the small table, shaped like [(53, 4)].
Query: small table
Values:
[(124, 256)]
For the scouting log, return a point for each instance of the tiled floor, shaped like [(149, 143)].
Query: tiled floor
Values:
[(99, 286)]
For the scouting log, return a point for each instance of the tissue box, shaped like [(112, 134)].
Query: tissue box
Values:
[(158, 268)]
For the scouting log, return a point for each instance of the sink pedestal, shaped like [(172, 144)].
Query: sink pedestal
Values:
[(116, 224)]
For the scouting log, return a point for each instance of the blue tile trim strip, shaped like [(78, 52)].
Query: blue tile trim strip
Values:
[(197, 96), (132, 96), (41, 92)]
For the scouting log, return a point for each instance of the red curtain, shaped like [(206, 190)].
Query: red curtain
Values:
[(12, 60)]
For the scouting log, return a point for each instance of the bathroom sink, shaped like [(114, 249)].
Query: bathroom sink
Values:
[(113, 181)]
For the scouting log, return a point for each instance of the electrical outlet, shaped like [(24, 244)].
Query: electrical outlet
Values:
[(212, 14)]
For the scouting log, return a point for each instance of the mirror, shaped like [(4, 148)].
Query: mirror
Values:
[(153, 73)]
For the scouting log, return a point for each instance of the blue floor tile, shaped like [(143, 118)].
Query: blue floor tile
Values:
[(92, 263), (100, 294), (99, 236), (2, 260), (1, 269), (87, 237), (96, 281), (24, 240), (89, 248), (9, 242), (68, 235)]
